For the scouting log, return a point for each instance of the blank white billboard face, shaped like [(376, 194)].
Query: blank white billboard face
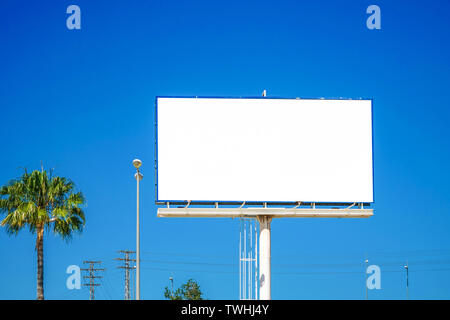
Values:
[(213, 149)]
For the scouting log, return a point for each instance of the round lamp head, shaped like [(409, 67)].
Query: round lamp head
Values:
[(137, 163)]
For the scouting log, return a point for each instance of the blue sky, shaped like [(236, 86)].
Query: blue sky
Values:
[(82, 101)]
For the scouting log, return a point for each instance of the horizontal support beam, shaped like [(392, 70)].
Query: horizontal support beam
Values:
[(254, 212)]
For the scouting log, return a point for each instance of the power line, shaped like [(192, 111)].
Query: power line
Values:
[(92, 276), (187, 262), (295, 273), (154, 253), (105, 289), (110, 285), (346, 256), (305, 265)]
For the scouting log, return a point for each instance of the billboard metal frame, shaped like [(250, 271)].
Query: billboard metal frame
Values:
[(180, 202)]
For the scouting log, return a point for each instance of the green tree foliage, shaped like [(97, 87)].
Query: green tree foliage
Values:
[(41, 202), (188, 291)]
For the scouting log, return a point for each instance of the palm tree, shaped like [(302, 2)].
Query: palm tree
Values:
[(41, 202)]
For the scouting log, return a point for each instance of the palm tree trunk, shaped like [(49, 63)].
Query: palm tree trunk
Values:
[(40, 262)]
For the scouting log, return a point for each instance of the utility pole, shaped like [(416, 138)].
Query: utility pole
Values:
[(91, 284), (127, 269)]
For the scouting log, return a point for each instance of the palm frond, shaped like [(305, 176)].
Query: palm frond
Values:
[(37, 199)]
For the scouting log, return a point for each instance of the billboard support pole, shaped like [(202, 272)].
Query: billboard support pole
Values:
[(264, 258)]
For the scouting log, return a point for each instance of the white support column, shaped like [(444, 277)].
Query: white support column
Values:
[(264, 257)]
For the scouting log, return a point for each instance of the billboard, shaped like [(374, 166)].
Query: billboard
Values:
[(264, 150)]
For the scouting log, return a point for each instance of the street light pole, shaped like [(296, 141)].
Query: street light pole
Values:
[(171, 292), (367, 289), (137, 163), (407, 280)]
